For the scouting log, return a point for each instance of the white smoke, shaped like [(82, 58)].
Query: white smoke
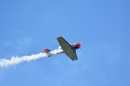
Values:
[(17, 60), (57, 51)]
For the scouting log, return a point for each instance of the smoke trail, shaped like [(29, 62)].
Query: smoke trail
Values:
[(17, 60), (57, 51)]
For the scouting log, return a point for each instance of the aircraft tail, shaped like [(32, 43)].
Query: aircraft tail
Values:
[(47, 52)]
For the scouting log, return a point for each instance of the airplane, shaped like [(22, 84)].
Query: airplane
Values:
[(65, 47)]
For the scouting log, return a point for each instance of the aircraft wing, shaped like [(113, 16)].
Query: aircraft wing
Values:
[(68, 50)]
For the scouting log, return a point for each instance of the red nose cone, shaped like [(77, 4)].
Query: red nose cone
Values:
[(79, 45)]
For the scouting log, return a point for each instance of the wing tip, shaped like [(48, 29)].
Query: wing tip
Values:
[(59, 37)]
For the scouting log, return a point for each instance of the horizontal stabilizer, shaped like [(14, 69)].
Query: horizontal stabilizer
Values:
[(47, 52)]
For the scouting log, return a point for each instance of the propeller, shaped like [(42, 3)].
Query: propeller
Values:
[(79, 45)]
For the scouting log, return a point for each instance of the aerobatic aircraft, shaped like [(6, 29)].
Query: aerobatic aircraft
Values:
[(65, 47)]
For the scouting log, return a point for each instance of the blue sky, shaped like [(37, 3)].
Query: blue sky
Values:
[(101, 26)]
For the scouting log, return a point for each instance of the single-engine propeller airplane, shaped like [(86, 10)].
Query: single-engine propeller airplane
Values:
[(68, 49)]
